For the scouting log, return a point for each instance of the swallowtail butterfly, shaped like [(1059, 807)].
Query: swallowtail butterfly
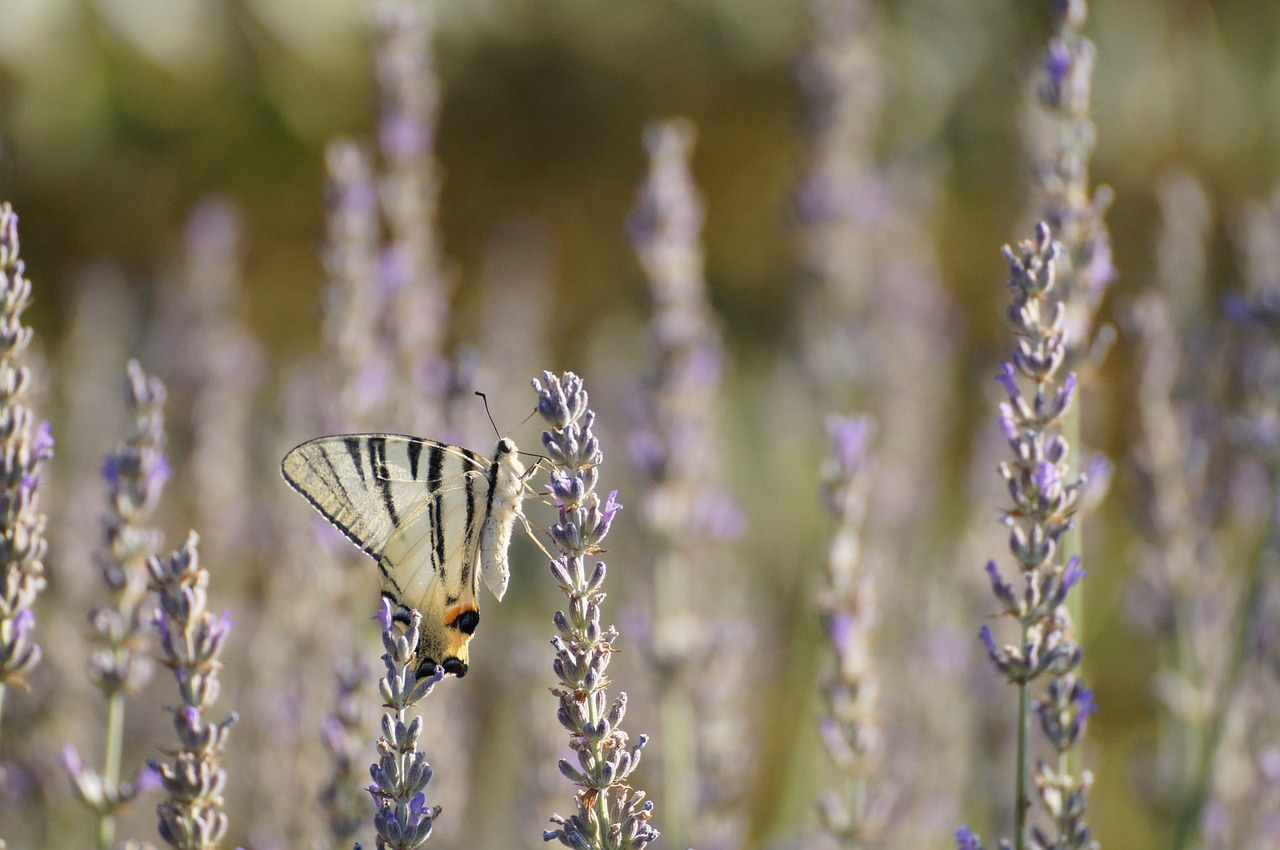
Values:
[(435, 517)]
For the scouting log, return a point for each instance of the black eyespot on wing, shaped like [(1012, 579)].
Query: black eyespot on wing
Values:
[(453, 665), (467, 621)]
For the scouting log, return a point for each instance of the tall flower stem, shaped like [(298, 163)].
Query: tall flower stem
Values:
[(687, 515), (403, 820), (135, 473), (24, 448), (1074, 215), (191, 814), (1044, 503), (853, 814), (611, 815)]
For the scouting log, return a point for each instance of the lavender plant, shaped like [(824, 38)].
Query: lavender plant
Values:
[(413, 276), (343, 729), (1184, 586), (1237, 782), (403, 820), (611, 814), (359, 366), (1075, 214), (1043, 509), (853, 812), (688, 515), (227, 366), (841, 202), (191, 641), (865, 233), (24, 448), (136, 473)]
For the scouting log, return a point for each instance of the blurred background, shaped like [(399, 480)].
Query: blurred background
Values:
[(121, 119)]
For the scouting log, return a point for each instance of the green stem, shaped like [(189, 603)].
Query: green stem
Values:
[(1022, 799), (675, 706), (111, 766)]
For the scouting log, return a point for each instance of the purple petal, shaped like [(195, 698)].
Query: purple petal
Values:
[(1072, 574), (384, 615), (984, 635), (1008, 380), (42, 445)]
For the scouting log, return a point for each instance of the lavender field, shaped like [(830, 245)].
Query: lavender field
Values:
[(919, 361)]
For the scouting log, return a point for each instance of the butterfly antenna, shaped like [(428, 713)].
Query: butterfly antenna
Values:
[(484, 398)]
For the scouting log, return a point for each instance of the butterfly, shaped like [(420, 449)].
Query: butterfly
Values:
[(437, 518)]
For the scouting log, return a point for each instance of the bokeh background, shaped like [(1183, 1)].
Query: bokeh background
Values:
[(119, 118)]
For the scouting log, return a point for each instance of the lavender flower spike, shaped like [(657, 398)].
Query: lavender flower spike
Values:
[(24, 447), (1045, 502), (854, 811), (120, 665), (403, 820), (191, 639), (610, 813)]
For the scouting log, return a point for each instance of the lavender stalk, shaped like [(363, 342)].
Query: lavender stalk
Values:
[(414, 281), (136, 473), (344, 809), (403, 820), (853, 813), (24, 447), (1074, 216), (1043, 510), (191, 640), (611, 815), (687, 515)]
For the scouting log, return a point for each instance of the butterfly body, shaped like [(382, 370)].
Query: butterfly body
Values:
[(437, 518)]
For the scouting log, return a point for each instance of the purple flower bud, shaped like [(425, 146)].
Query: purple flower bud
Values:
[(71, 762), (23, 622), (222, 627), (1006, 423), (158, 473), (850, 440), (967, 840), (148, 779), (611, 507), (1047, 479), (1068, 391), (384, 615), (984, 635), (111, 471), (191, 718), (1085, 706), (840, 629), (1007, 379), (42, 444), (1072, 575), (1057, 62)]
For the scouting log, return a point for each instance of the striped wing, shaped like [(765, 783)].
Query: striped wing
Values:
[(416, 506)]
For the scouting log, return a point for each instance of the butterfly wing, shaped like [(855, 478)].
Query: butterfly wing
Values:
[(417, 507)]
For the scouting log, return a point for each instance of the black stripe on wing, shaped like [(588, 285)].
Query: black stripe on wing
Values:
[(362, 545), (378, 465), (435, 471)]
